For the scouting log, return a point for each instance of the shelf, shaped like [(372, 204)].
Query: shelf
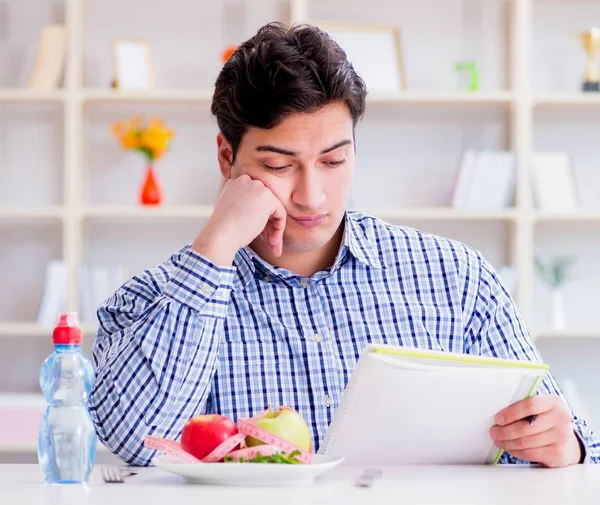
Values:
[(440, 97), (205, 96), (563, 99), (131, 212), (26, 95), (31, 213), (566, 334), (23, 329), (205, 211), (99, 96), (173, 95), (577, 216), (27, 410), (89, 329), (440, 213)]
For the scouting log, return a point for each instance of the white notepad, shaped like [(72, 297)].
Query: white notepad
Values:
[(408, 406)]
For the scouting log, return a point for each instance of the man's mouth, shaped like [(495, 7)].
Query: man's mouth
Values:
[(310, 221)]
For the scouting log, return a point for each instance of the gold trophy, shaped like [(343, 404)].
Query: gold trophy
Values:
[(591, 43)]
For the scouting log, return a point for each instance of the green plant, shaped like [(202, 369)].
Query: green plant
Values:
[(471, 68), (556, 271)]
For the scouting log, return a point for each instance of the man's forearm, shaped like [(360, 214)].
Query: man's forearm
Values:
[(156, 350), (129, 402)]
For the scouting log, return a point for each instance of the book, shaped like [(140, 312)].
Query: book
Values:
[(411, 406), (553, 182), (54, 296), (505, 178), (465, 176), (485, 181), (97, 283), (50, 59), (480, 185)]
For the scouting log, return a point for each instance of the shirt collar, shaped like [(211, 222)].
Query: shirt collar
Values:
[(250, 266), (355, 241), (361, 246)]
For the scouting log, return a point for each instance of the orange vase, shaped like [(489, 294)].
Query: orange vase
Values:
[(150, 193)]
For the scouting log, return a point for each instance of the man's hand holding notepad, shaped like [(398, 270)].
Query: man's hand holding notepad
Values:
[(413, 406)]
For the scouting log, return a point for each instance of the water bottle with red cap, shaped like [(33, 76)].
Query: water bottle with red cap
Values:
[(67, 436)]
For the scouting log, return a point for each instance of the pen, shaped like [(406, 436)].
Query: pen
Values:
[(531, 419)]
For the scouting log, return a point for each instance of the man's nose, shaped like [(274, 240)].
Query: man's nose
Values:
[(309, 191)]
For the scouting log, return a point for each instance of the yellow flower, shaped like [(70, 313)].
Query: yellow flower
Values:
[(130, 140), (152, 139), (155, 140)]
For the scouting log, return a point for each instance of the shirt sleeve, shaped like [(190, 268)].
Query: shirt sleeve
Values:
[(156, 351), (495, 329)]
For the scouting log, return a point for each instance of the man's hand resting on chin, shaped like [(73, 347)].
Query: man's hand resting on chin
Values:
[(245, 209)]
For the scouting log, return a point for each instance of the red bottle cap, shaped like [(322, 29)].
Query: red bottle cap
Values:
[(67, 331)]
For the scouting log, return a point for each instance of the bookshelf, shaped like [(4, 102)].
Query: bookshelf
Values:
[(92, 214)]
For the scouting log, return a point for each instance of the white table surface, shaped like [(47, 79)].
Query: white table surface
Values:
[(448, 485)]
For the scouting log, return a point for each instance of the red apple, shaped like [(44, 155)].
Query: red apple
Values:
[(203, 434)]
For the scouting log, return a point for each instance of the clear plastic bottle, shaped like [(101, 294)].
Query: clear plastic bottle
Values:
[(67, 436)]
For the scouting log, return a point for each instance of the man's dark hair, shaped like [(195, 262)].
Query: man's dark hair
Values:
[(280, 71)]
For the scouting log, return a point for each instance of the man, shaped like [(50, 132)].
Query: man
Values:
[(275, 299)]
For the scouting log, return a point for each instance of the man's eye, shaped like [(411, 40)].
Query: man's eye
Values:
[(334, 163), (276, 169)]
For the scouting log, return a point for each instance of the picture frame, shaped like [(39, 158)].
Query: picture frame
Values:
[(362, 42), (132, 64), (553, 180)]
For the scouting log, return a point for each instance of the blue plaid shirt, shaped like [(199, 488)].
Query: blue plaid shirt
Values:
[(188, 337)]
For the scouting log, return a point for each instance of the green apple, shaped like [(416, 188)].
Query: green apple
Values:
[(287, 424)]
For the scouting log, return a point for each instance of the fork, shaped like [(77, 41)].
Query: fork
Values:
[(114, 474), (367, 477)]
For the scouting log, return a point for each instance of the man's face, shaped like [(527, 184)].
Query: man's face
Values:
[(307, 161)]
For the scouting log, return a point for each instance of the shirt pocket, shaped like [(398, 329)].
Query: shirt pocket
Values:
[(255, 342), (253, 373)]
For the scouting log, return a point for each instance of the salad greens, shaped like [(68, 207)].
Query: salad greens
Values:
[(280, 457)]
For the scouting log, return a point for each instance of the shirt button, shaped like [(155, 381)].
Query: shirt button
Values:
[(327, 401), (206, 289), (303, 283), (317, 338)]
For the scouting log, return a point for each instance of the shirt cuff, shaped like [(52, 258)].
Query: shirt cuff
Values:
[(200, 284), (585, 456)]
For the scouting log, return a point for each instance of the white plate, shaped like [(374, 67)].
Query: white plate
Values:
[(248, 474)]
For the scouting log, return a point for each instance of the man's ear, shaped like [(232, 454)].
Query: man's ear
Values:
[(224, 155)]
